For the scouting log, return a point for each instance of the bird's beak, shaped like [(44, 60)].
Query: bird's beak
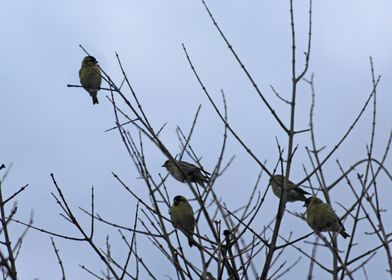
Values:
[(163, 165)]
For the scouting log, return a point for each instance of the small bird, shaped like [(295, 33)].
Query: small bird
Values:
[(294, 193), (182, 217), (321, 217), (90, 77), (186, 172)]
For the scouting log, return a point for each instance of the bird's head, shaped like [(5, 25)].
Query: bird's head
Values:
[(307, 201), (166, 164), (178, 199), (89, 60), (276, 178), (312, 200)]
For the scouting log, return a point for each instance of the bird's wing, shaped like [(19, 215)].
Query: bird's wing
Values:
[(329, 214), (207, 174), (298, 189), (188, 168), (186, 164)]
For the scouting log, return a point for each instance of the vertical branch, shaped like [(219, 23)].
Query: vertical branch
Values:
[(290, 133), (133, 241), (56, 251), (4, 222), (313, 257)]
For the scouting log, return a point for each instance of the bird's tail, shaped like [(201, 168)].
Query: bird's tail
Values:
[(93, 94), (302, 197), (191, 241), (95, 100), (202, 180), (344, 233)]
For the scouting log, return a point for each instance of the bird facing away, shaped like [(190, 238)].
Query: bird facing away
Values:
[(186, 172), (294, 193), (90, 77), (321, 217), (182, 217)]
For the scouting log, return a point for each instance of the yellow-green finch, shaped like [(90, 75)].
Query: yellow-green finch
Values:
[(294, 193), (321, 217), (90, 77), (186, 172), (182, 217)]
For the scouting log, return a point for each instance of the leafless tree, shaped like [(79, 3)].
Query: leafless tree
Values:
[(229, 242)]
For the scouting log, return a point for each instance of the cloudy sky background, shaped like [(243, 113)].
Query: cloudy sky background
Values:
[(47, 127)]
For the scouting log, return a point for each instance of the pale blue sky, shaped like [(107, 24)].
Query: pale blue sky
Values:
[(47, 127)]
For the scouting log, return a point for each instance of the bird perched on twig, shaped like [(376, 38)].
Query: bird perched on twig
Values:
[(186, 172), (90, 77), (321, 217), (294, 193), (182, 217)]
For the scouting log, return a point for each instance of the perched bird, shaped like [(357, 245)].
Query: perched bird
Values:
[(186, 172), (181, 215), (294, 193), (321, 217), (90, 77)]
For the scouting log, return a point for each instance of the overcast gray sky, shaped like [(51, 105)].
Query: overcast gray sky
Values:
[(47, 127)]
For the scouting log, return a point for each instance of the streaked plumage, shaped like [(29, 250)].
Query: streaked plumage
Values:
[(321, 217), (186, 172), (294, 193), (182, 217), (90, 77)]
